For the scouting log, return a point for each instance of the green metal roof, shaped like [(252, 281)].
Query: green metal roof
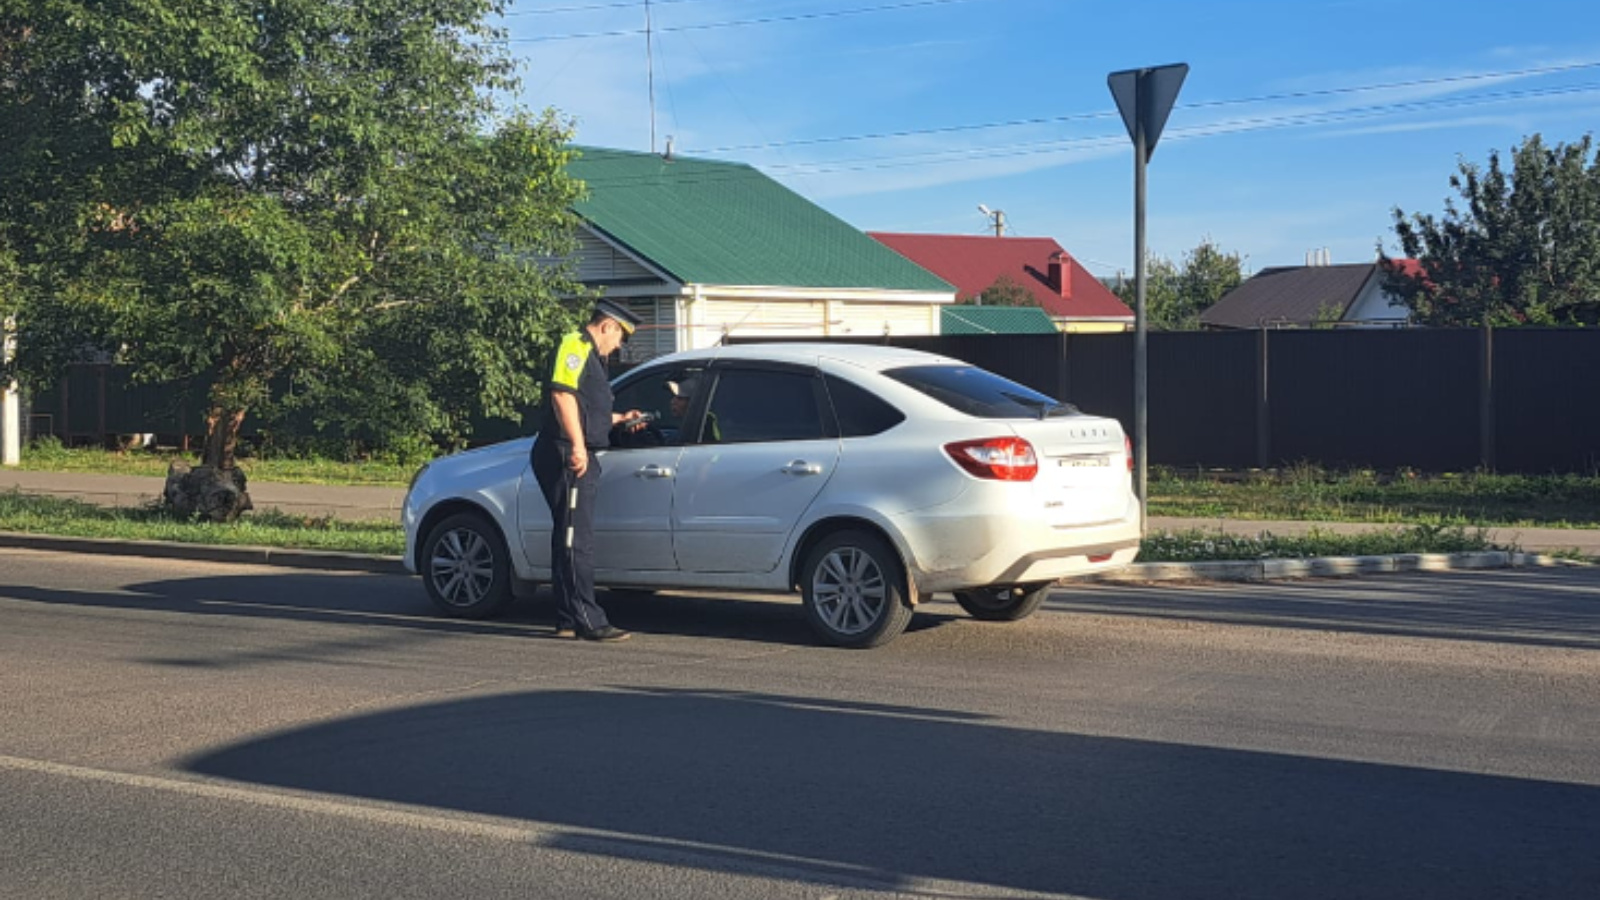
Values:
[(710, 222), (968, 319)]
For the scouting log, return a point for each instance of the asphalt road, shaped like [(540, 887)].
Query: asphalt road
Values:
[(188, 730)]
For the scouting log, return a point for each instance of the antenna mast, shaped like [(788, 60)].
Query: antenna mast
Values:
[(650, 62)]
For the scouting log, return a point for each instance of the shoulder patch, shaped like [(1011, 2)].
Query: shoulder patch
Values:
[(570, 359)]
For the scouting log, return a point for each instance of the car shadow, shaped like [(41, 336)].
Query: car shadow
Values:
[(903, 798), (398, 602)]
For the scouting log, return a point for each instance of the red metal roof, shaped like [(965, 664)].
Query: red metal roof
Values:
[(973, 263)]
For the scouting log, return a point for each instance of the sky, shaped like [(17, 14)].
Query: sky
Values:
[(1301, 126)]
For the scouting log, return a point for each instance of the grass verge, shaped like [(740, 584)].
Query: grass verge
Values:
[(52, 457), (267, 528), (1306, 493), (50, 515), (1311, 493), (1208, 546)]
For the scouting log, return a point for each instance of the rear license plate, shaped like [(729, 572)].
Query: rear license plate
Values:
[(1083, 462)]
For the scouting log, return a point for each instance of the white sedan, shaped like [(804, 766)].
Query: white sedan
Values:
[(865, 477)]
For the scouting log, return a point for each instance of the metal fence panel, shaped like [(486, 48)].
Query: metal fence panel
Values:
[(1202, 398), (1547, 417), (1375, 398)]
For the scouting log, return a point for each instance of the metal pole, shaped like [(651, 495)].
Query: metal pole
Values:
[(1141, 448), (650, 63)]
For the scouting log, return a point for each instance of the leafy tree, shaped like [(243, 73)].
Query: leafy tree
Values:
[(1523, 248), (1176, 295), (1006, 291), (307, 205)]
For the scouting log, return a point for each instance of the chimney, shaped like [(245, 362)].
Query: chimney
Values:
[(1060, 274)]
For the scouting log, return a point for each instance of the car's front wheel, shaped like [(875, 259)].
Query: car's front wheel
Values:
[(854, 590), (1004, 604), (466, 567)]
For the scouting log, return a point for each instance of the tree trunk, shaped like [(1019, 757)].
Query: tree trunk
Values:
[(215, 489), (222, 437)]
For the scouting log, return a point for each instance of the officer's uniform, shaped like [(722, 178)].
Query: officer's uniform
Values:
[(579, 370)]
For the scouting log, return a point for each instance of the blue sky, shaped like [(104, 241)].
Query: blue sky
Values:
[(1301, 125)]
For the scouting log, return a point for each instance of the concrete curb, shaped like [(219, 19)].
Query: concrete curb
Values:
[(1226, 570), (258, 556), (1329, 566)]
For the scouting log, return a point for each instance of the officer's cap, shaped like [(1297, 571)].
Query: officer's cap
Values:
[(617, 313)]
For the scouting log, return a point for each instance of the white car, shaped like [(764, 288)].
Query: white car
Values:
[(865, 477)]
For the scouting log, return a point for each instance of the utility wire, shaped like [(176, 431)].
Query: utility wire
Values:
[(770, 20), (593, 6), (1094, 142), (1238, 101)]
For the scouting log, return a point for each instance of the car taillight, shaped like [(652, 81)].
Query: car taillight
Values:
[(1127, 442), (1002, 459)]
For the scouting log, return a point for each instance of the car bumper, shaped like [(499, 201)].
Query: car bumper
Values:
[(960, 550)]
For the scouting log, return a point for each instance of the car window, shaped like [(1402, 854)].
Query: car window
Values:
[(757, 405), (667, 393), (860, 412), (981, 393)]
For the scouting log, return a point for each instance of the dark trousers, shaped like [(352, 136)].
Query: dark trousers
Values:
[(571, 501)]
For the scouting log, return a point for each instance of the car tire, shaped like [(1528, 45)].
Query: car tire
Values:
[(1004, 604), (466, 567), (854, 590)]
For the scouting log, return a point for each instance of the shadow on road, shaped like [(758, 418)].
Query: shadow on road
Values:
[(395, 602), (847, 794)]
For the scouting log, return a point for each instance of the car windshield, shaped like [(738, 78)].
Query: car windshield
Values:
[(981, 393)]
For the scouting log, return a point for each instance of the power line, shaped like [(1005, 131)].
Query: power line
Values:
[(770, 20), (630, 4), (1238, 101), (1089, 143)]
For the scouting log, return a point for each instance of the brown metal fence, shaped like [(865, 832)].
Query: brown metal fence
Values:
[(1513, 400)]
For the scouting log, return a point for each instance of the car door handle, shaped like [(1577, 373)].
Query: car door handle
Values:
[(654, 471), (801, 467)]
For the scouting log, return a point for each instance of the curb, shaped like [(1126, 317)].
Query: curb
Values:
[(1224, 570), (249, 555), (1329, 566)]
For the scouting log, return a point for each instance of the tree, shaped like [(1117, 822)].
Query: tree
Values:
[(1523, 248), (1006, 291), (313, 195), (1175, 295)]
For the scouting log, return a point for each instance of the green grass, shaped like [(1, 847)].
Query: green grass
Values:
[(1300, 493), (269, 528), (1204, 546), (49, 515), (1310, 493), (52, 457)]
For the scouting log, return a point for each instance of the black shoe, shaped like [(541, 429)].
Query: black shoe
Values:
[(607, 634)]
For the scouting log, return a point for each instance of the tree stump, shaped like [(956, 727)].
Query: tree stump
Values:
[(206, 492)]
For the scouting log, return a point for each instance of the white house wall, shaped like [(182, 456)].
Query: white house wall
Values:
[(710, 318), (1375, 307)]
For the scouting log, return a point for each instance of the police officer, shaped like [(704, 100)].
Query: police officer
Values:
[(577, 423)]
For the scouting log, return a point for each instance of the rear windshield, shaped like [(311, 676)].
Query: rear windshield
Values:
[(980, 393)]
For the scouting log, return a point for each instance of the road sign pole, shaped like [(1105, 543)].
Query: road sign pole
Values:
[(1141, 395), (1144, 98)]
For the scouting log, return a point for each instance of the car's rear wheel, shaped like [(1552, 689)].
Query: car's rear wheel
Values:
[(854, 590), (466, 567), (1004, 604)]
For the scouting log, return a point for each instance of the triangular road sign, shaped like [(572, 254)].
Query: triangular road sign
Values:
[(1147, 96)]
